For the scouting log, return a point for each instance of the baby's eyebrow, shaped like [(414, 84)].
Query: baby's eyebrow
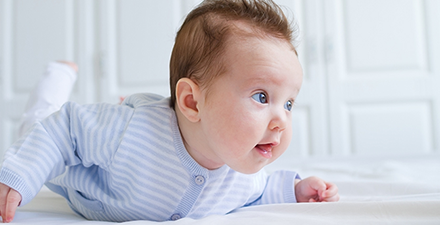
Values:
[(266, 78)]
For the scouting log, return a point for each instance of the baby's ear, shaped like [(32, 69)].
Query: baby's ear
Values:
[(187, 94)]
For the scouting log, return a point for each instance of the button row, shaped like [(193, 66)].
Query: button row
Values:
[(199, 181)]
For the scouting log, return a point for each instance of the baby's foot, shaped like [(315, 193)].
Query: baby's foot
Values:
[(51, 92), (71, 64)]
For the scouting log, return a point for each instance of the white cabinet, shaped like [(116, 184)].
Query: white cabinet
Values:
[(371, 67)]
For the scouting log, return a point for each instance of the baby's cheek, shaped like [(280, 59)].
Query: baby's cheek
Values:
[(245, 128)]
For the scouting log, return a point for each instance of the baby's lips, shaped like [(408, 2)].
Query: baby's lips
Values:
[(269, 145), (265, 147)]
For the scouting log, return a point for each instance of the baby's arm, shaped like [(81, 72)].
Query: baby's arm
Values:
[(54, 80), (65, 138), (9, 200), (314, 189), (284, 186)]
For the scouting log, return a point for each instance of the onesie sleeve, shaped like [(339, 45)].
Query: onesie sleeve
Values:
[(76, 134), (279, 188)]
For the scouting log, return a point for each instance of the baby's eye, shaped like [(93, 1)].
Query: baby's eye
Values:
[(260, 97), (288, 105)]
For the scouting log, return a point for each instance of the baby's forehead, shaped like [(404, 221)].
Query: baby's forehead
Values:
[(261, 55), (249, 45), (245, 41), (248, 36)]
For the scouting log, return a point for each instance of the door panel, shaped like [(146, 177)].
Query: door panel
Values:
[(391, 37), (381, 128)]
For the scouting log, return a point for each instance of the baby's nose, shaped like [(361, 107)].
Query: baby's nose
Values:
[(278, 123)]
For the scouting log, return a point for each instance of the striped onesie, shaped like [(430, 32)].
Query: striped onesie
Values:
[(128, 162)]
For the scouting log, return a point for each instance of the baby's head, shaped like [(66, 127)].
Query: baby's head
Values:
[(200, 44), (234, 75)]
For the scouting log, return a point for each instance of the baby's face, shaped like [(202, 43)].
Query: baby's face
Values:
[(246, 114)]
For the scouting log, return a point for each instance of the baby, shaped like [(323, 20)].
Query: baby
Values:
[(234, 77)]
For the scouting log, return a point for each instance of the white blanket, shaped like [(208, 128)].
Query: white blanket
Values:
[(374, 190)]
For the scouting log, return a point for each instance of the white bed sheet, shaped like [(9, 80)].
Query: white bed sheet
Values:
[(374, 190)]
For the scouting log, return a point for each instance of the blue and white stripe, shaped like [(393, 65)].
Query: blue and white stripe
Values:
[(128, 162)]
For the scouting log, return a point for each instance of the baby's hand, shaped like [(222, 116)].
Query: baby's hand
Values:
[(314, 189), (9, 200)]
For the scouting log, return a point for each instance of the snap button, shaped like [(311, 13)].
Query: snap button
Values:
[(176, 216), (199, 180)]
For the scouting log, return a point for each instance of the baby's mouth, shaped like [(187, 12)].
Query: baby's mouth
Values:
[(265, 150)]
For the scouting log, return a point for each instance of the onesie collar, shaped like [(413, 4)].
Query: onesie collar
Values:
[(188, 162)]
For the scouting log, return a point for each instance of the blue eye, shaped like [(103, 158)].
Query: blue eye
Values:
[(288, 105), (260, 97)]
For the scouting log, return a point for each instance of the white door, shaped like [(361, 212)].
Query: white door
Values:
[(383, 67)]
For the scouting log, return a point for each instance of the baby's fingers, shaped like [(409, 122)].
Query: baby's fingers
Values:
[(334, 198), (4, 190), (331, 194), (12, 202)]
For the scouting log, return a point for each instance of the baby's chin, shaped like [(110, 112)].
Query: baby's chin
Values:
[(253, 163)]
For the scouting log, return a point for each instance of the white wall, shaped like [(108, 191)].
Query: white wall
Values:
[(372, 67)]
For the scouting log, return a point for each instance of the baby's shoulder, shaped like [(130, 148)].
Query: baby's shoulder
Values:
[(145, 99)]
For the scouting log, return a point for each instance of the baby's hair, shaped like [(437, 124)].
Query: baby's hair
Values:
[(202, 39)]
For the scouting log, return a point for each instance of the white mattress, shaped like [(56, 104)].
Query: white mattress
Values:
[(374, 190)]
